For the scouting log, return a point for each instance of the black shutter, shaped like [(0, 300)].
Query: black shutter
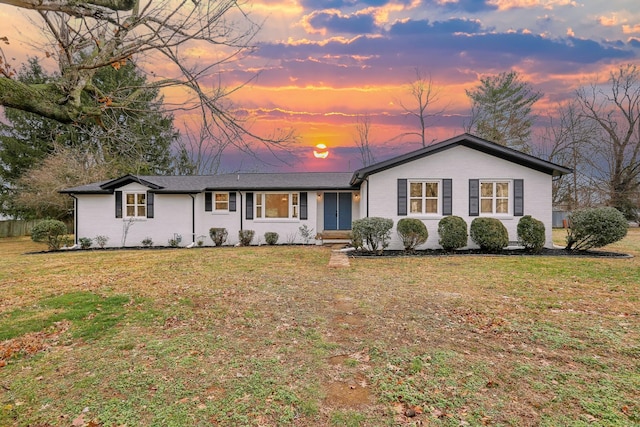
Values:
[(118, 204), (249, 206), (150, 205), (518, 197), (402, 197), (474, 197), (232, 201), (447, 198), (303, 206), (208, 202)]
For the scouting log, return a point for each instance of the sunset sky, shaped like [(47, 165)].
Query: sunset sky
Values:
[(321, 63)]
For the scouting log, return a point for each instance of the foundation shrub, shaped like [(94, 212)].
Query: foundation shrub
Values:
[(50, 231), (373, 233), (218, 235), (412, 232), (245, 237), (489, 233), (271, 237), (453, 233), (595, 228), (531, 233)]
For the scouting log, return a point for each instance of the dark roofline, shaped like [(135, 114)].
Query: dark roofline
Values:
[(127, 179), (469, 141)]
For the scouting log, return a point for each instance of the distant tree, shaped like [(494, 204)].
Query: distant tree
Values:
[(425, 96), (568, 140), (361, 139), (36, 192), (501, 110), (615, 112)]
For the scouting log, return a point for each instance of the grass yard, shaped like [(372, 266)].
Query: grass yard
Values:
[(270, 336)]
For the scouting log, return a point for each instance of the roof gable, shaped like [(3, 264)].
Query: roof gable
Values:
[(128, 179), (470, 141)]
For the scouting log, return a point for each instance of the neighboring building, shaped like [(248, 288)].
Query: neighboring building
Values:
[(464, 176)]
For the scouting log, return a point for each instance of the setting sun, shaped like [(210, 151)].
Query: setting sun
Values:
[(321, 151)]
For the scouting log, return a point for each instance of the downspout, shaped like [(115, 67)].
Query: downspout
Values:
[(241, 204), (367, 196), (193, 218), (75, 218)]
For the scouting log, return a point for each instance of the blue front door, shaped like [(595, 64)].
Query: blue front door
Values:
[(337, 211)]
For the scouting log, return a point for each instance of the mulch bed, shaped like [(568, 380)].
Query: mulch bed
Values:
[(505, 252)]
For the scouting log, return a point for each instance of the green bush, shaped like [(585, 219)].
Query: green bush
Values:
[(50, 231), (595, 228), (371, 233), (147, 242), (218, 235), (246, 236), (531, 233), (271, 237), (489, 233), (412, 232), (453, 233), (85, 242)]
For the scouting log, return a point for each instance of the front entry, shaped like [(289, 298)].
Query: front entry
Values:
[(337, 211)]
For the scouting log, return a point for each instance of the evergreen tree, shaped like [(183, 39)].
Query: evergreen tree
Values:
[(501, 110), (136, 138)]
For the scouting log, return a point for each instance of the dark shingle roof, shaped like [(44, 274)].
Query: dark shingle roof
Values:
[(470, 141), (225, 182)]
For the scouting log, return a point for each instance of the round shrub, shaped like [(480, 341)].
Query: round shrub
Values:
[(50, 231), (453, 233), (531, 233), (595, 228), (85, 242), (373, 233), (489, 233), (245, 237), (218, 235), (412, 232), (271, 237)]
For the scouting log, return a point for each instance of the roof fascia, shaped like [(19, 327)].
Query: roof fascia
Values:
[(127, 179)]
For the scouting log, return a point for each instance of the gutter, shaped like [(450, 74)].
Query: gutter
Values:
[(75, 218)]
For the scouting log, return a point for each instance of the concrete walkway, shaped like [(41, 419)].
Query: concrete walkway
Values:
[(338, 259)]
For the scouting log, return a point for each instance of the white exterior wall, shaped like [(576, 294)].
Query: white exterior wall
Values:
[(173, 213), (96, 216), (460, 164)]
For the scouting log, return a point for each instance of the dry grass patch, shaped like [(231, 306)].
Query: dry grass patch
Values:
[(273, 336)]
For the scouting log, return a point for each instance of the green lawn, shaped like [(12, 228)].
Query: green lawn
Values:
[(273, 336)]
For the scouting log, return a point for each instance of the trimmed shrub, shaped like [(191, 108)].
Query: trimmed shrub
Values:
[(50, 231), (85, 242), (147, 242), (412, 232), (271, 237), (453, 233), (595, 228), (371, 233), (531, 233), (218, 235), (489, 233), (246, 236)]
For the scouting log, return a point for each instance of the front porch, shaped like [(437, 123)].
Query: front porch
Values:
[(329, 237)]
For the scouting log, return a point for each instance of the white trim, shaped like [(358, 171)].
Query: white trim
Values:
[(494, 198), (136, 205), (424, 198)]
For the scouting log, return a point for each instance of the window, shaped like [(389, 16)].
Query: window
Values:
[(135, 204), (494, 197), (277, 205), (221, 202), (424, 197)]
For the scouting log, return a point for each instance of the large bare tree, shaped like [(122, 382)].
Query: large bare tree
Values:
[(362, 140), (424, 105), (615, 111), (86, 35)]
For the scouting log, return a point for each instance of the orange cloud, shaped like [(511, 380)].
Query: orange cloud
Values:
[(628, 29)]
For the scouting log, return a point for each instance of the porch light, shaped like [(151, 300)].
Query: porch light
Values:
[(319, 196), (356, 196)]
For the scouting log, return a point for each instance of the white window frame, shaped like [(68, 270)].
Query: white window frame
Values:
[(494, 197), (136, 205), (259, 209), (214, 202), (423, 198)]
